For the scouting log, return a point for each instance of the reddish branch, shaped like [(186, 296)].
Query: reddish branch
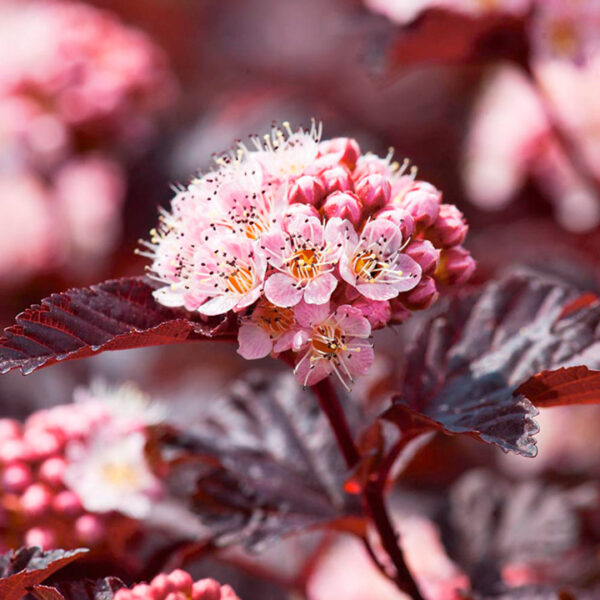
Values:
[(373, 494)]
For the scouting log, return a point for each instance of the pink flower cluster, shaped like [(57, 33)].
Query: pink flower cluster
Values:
[(313, 243), (74, 84), (56, 489), (177, 585)]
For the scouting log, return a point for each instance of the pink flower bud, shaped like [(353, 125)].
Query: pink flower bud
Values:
[(302, 210), (67, 503), (89, 529), (42, 443), (36, 500), (449, 228), (16, 477), (400, 217), (423, 203), (177, 596), (337, 179), (374, 191), (52, 470), (456, 266), (422, 296), (344, 205), (14, 450), (424, 252), (346, 150), (9, 429), (40, 536), (227, 593), (181, 580), (377, 312), (306, 190), (206, 589), (142, 591), (371, 165), (162, 585), (400, 313), (123, 595)]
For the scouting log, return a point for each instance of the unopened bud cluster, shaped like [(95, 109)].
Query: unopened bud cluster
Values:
[(313, 243), (66, 471), (177, 585)]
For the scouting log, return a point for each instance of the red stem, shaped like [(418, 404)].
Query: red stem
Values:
[(373, 494)]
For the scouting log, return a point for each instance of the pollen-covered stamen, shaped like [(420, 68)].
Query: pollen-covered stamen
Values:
[(375, 262), (273, 319)]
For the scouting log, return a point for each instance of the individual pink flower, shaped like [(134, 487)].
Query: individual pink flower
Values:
[(229, 272), (305, 254), (373, 262), (267, 329), (335, 343)]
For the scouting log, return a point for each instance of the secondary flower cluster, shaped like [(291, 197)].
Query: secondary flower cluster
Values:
[(66, 471), (76, 87), (177, 585), (313, 243)]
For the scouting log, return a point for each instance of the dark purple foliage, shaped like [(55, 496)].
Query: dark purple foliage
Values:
[(114, 315)]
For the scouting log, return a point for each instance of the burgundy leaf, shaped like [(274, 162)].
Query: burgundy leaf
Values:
[(26, 567), (115, 315), (449, 37), (85, 589), (575, 385), (464, 370), (261, 463), (491, 525)]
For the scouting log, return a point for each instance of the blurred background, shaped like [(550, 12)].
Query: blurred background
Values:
[(105, 105)]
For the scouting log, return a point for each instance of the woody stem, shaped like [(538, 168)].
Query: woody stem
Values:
[(373, 495)]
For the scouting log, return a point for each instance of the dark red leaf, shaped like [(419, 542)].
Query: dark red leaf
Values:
[(26, 567), (115, 315), (448, 37), (85, 589), (573, 385), (464, 370), (261, 463), (491, 524)]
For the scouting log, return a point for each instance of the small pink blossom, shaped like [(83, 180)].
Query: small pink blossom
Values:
[(375, 264), (335, 343), (268, 329), (305, 256)]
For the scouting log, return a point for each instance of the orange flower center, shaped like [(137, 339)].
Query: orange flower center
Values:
[(304, 264), (240, 281)]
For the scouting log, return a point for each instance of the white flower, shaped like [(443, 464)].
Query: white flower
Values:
[(112, 474)]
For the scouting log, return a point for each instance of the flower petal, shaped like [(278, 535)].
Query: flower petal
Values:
[(254, 341), (280, 290)]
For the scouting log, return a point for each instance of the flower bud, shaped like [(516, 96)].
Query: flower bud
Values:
[(123, 595), (423, 203), (177, 596), (346, 150), (52, 470), (67, 503), (42, 443), (36, 500), (337, 179), (206, 589), (181, 580), (16, 477), (14, 450), (306, 190), (344, 205), (449, 228), (456, 266), (142, 591), (422, 296), (162, 585), (374, 192), (377, 312), (400, 217), (9, 429), (371, 165), (424, 252), (89, 529), (399, 312), (40, 536)]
